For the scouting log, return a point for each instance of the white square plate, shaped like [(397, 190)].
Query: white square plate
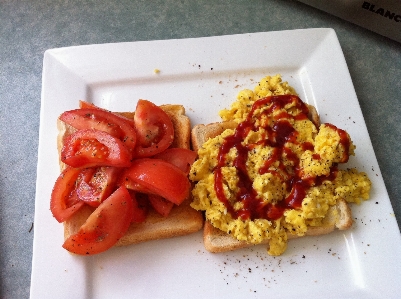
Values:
[(205, 74)]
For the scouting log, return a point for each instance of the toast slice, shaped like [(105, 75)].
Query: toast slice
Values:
[(216, 240), (182, 220)]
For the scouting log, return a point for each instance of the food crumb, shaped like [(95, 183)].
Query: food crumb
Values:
[(156, 71)]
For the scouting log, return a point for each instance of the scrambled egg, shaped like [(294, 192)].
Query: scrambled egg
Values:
[(307, 153)]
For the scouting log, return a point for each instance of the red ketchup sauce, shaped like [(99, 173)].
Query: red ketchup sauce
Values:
[(276, 137)]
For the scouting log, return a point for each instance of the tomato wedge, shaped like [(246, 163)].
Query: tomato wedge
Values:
[(154, 128), (64, 202), (89, 148), (160, 204), (102, 120), (180, 157), (99, 186), (159, 177), (86, 105), (105, 226), (133, 186)]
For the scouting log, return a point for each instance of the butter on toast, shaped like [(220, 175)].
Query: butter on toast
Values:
[(182, 220), (216, 240)]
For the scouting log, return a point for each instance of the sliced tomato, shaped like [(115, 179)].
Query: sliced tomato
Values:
[(180, 157), (141, 206), (160, 177), (64, 201), (132, 186), (86, 105), (102, 120), (105, 226), (99, 186), (154, 128), (160, 204), (89, 148)]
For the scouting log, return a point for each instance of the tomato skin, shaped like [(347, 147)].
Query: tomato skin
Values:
[(99, 185), (64, 202), (132, 186), (154, 129), (160, 177), (161, 205), (102, 120), (180, 157), (90, 148), (86, 105), (105, 226)]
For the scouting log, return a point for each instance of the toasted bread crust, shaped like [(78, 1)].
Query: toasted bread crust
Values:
[(201, 133), (215, 240), (313, 115), (182, 220)]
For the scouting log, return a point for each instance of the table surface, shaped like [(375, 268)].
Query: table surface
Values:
[(29, 27)]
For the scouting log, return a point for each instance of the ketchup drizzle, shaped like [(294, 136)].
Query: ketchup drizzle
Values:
[(277, 135), (344, 140)]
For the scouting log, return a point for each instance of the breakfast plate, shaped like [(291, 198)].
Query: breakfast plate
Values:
[(205, 74)]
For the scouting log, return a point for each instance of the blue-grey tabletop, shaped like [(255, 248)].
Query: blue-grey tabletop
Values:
[(29, 27)]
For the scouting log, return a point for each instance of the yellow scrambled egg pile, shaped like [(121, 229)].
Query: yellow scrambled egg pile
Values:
[(271, 185)]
